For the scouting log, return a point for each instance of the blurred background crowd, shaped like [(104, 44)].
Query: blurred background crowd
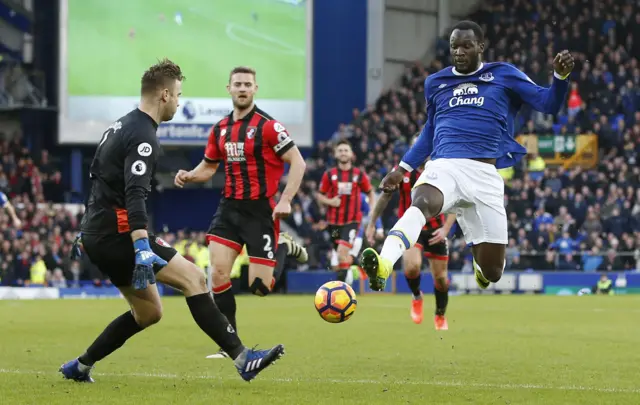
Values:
[(561, 217)]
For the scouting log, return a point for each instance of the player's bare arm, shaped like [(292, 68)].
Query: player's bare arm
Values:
[(371, 195), (378, 208), (207, 167), (440, 234), (12, 213), (331, 202), (391, 181), (294, 179), (200, 174)]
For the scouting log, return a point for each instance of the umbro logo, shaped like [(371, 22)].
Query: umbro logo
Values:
[(442, 86)]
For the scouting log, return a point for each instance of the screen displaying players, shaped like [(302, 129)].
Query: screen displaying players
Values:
[(109, 44)]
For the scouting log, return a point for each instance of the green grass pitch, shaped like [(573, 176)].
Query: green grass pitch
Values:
[(215, 36), (499, 350)]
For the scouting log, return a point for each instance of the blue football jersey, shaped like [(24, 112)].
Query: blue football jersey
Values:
[(3, 199), (473, 115)]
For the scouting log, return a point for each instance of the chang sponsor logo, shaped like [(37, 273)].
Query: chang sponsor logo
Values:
[(461, 96)]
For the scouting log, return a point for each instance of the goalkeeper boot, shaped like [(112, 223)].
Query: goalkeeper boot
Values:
[(252, 361), (71, 371), (378, 268)]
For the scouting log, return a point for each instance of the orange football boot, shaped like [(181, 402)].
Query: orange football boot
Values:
[(416, 309), (440, 322)]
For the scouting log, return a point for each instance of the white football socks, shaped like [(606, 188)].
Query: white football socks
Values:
[(404, 234), (334, 259)]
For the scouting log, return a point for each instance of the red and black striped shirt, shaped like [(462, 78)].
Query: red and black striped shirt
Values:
[(405, 200), (251, 150), (348, 184)]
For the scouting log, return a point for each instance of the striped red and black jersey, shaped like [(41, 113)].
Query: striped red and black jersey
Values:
[(251, 150), (348, 184), (405, 200)]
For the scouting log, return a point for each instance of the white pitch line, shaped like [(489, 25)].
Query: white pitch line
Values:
[(458, 384), (285, 48)]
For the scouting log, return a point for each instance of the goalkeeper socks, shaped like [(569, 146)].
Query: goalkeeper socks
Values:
[(226, 301), (212, 322), (414, 284), (281, 260), (403, 235), (111, 339), (441, 292)]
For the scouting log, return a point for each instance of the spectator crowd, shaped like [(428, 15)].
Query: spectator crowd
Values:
[(559, 218)]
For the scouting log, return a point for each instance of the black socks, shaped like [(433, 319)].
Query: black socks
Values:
[(111, 339)]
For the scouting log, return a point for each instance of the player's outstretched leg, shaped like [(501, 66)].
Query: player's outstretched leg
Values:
[(440, 290), (427, 202), (412, 261), (185, 276), (146, 310), (488, 263)]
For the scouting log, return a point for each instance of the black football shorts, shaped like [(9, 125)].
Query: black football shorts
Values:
[(344, 234), (439, 251), (114, 255), (247, 222)]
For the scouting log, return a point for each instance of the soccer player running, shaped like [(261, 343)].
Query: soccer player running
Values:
[(469, 135), (253, 147), (340, 190), (115, 236), (432, 241)]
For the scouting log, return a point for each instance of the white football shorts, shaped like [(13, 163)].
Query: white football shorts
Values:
[(474, 191)]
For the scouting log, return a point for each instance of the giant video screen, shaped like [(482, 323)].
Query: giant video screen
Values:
[(107, 45)]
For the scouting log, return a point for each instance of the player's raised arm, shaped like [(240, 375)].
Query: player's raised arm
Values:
[(141, 155), (548, 100), (278, 138), (207, 167)]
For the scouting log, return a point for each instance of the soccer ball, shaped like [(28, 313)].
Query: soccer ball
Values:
[(336, 301)]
